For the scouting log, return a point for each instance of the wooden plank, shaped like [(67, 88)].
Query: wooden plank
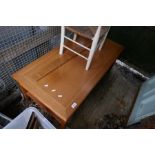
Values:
[(61, 83), (87, 31)]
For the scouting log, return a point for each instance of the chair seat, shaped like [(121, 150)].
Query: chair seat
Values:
[(87, 31)]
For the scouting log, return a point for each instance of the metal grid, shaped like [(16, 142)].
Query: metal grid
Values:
[(20, 45)]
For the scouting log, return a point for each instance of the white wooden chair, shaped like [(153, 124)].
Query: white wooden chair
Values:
[(97, 34)]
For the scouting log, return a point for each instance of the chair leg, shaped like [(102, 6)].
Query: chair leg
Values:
[(62, 40), (93, 47), (90, 57), (103, 41), (75, 36)]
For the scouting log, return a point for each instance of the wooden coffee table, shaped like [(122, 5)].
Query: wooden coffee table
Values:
[(60, 83)]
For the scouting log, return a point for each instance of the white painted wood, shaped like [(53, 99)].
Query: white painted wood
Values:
[(103, 40), (77, 43), (75, 52), (75, 36), (91, 50), (93, 47), (62, 40)]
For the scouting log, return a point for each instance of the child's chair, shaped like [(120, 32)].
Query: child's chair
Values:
[(97, 34)]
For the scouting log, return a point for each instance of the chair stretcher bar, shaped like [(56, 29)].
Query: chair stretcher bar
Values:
[(77, 43), (75, 52)]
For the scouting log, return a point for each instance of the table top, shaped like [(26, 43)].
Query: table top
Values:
[(60, 82)]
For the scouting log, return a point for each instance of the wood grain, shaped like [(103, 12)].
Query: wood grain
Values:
[(87, 31), (61, 83)]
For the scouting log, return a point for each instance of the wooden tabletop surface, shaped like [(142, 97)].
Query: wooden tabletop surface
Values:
[(60, 83)]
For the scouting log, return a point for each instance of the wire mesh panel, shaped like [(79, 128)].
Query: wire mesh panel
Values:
[(20, 45)]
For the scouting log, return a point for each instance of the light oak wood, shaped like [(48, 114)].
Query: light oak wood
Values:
[(58, 83), (87, 31)]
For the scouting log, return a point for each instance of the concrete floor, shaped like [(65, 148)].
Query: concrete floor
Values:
[(107, 106), (110, 103)]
